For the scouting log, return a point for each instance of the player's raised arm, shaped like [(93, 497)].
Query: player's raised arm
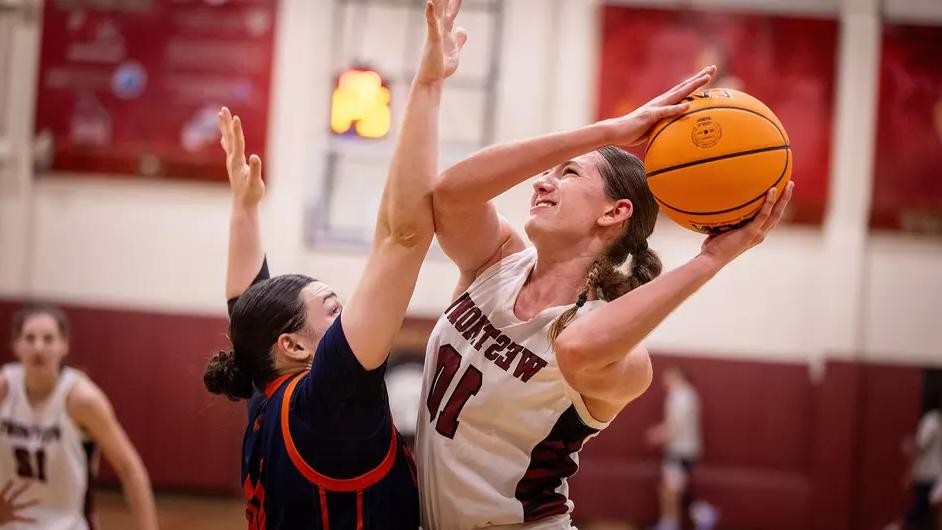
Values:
[(245, 181), (467, 224), (595, 351), (404, 226)]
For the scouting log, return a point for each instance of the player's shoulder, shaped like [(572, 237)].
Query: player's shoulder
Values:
[(8, 371), (516, 251), (508, 263), (85, 399)]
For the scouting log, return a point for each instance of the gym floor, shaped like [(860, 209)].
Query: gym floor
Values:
[(177, 511), (182, 511)]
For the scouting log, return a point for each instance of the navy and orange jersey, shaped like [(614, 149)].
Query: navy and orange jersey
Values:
[(321, 450)]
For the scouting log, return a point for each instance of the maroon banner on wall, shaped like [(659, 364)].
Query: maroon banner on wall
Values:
[(907, 185), (786, 62), (135, 89)]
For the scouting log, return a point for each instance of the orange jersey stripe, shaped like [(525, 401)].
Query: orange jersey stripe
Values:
[(323, 481), (360, 510), (325, 518)]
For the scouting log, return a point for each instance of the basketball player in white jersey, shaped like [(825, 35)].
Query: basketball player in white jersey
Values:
[(52, 418), (541, 348)]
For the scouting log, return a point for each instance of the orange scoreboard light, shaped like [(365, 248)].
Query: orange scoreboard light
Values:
[(360, 104)]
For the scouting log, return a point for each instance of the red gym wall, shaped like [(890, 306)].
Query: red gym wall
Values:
[(782, 452)]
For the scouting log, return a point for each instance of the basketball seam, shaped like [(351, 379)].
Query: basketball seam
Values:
[(747, 203), (684, 115), (715, 158)]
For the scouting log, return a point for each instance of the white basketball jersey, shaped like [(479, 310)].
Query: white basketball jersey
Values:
[(42, 446), (499, 429)]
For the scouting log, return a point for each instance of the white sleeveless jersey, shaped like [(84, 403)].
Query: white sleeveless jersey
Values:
[(42, 446), (499, 429)]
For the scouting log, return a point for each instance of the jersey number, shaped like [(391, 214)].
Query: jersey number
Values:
[(447, 364), (24, 464)]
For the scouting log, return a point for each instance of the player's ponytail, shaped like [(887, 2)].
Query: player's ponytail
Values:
[(624, 177), (263, 313), (224, 376), (645, 266)]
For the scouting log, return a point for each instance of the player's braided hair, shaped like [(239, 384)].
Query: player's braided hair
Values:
[(624, 178), (263, 312)]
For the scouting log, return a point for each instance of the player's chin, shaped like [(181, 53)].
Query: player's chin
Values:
[(41, 366), (531, 226), (553, 222), (542, 224), (538, 220)]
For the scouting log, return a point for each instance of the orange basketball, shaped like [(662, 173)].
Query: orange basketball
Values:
[(711, 167)]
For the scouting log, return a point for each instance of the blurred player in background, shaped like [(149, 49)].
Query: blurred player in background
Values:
[(679, 435), (936, 499), (925, 449), (320, 448), (53, 419)]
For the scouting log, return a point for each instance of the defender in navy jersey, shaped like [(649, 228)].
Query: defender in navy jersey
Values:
[(320, 449)]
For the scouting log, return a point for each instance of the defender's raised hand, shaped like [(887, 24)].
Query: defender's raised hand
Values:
[(443, 43), (245, 179)]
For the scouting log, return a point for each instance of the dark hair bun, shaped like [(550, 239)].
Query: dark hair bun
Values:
[(224, 376)]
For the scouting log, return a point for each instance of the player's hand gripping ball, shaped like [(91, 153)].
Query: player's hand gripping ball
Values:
[(711, 167)]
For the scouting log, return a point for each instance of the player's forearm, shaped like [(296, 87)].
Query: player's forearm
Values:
[(403, 234), (494, 170), (610, 333), (245, 249), (406, 210), (140, 496)]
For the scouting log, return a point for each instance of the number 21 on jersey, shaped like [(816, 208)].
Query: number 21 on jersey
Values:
[(24, 464)]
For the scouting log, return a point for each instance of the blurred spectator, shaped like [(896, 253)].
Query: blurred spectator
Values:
[(679, 434), (936, 499), (926, 451)]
